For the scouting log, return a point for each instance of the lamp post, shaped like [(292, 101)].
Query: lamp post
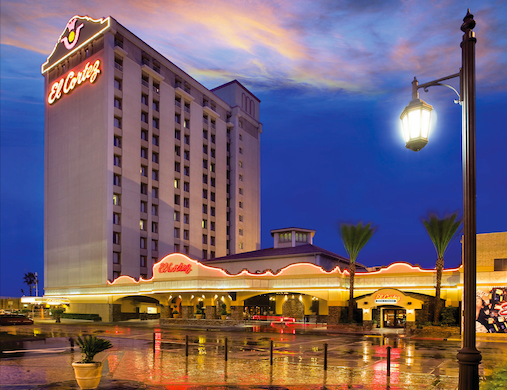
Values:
[(415, 121)]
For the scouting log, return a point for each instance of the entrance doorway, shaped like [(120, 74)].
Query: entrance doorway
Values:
[(394, 318)]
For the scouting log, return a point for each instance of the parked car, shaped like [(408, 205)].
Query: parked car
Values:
[(15, 319)]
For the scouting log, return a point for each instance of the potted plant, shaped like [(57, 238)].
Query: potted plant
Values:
[(223, 312), (57, 313), (88, 372), (198, 310), (176, 314)]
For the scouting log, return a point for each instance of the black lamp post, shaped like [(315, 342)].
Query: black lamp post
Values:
[(415, 121)]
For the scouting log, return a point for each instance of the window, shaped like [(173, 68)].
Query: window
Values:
[(241, 150), (145, 80), (212, 240), (142, 261), (205, 239), (240, 204), (240, 123), (154, 175), (212, 152), (212, 226), (142, 224), (186, 186), (212, 255), (176, 248), (241, 245), (186, 154), (155, 123), (186, 123), (187, 139), (176, 233), (116, 218), (205, 179), (154, 227), (228, 188), (186, 235), (212, 167), (301, 237), (176, 199), (117, 141), (156, 106), (176, 166), (205, 164), (117, 161), (228, 147), (117, 122), (154, 157), (228, 202), (212, 182), (116, 238), (144, 117), (156, 87), (177, 118), (144, 207), (177, 135), (144, 153), (213, 123), (144, 188), (154, 192), (144, 99), (240, 164), (144, 170), (116, 258), (177, 216), (204, 254), (212, 196), (116, 274), (177, 102), (177, 150), (205, 194), (176, 183), (240, 190), (187, 107), (116, 180), (205, 209), (144, 135), (186, 202), (213, 138), (186, 218), (240, 137), (240, 217), (186, 171), (285, 237), (155, 140), (228, 230), (205, 134), (154, 245), (117, 102), (240, 177), (228, 216), (154, 209), (116, 199), (240, 232), (212, 209), (204, 223), (117, 84)]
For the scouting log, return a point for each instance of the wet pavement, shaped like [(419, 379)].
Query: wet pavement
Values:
[(135, 362)]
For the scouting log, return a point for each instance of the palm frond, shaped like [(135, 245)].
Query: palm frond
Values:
[(442, 231), (90, 346), (355, 237)]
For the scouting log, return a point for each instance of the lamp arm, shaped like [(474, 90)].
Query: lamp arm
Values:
[(425, 86)]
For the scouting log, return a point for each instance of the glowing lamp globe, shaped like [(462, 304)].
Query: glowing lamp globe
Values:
[(415, 121)]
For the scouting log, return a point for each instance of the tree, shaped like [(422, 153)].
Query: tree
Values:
[(29, 279), (441, 232), (354, 238)]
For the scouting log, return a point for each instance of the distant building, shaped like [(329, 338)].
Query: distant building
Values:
[(141, 160)]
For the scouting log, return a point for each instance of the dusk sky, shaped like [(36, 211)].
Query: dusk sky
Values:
[(333, 78)]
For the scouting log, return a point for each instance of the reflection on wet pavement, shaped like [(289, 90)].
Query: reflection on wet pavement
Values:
[(354, 361)]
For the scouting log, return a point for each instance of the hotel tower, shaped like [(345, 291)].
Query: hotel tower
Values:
[(141, 160)]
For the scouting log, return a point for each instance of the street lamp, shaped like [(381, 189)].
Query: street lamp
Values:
[(415, 121)]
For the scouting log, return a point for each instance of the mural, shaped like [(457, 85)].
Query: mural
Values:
[(491, 310)]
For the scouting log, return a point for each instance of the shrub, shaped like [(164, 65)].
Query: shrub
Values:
[(90, 346)]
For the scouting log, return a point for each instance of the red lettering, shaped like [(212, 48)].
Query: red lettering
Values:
[(164, 267), (503, 310)]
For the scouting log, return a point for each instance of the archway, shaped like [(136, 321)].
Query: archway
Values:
[(136, 307)]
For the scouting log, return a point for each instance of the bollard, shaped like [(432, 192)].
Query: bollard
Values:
[(154, 340), (271, 353), (186, 345), (325, 356), (226, 349), (388, 361)]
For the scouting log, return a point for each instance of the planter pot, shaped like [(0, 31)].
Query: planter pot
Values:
[(198, 316), (87, 374), (176, 316), (224, 317)]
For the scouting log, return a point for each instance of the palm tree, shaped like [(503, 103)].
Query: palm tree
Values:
[(29, 279), (354, 238), (441, 232)]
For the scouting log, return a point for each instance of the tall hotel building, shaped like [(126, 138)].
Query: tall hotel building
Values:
[(141, 160)]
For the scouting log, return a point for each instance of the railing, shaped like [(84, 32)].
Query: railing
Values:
[(145, 83), (118, 43), (186, 89), (213, 125), (118, 66), (156, 89), (177, 103), (205, 121), (187, 109)]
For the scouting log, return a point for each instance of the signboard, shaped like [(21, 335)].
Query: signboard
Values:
[(491, 310), (386, 299), (78, 32)]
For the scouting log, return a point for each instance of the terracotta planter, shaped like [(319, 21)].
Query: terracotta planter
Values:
[(224, 317), (176, 315), (198, 316), (87, 374)]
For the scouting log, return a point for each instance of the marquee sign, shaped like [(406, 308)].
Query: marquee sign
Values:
[(67, 84), (387, 298), (78, 32)]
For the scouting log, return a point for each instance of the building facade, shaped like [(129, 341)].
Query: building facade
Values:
[(141, 160)]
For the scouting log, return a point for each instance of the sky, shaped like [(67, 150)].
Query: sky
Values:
[(333, 77)]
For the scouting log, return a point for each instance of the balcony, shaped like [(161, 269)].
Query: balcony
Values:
[(118, 66), (145, 83)]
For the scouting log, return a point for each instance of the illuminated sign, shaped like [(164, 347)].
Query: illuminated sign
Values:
[(164, 267), (72, 80), (79, 31), (387, 298)]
